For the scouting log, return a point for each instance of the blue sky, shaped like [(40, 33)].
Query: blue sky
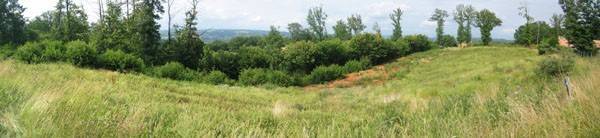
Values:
[(260, 14)]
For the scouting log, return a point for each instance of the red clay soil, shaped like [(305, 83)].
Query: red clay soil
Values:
[(565, 43), (374, 76)]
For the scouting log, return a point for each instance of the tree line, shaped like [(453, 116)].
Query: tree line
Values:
[(126, 38)]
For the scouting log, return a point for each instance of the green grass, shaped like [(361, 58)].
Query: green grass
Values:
[(474, 92)]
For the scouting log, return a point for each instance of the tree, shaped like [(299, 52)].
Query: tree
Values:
[(12, 23), (189, 48), (109, 32), (581, 24), (439, 16), (274, 39), (377, 29), (69, 22), (557, 23), (342, 30), (486, 20), (464, 16), (356, 24), (41, 25), (170, 17), (144, 29), (530, 34), (396, 18), (524, 11), (316, 20), (298, 33)]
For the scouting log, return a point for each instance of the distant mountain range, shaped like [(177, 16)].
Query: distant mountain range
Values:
[(211, 35)]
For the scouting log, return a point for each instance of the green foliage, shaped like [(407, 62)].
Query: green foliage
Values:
[(581, 24), (356, 25), (356, 65), (300, 56), (342, 30), (464, 16), (225, 61), (31, 52), (110, 32), (486, 20), (557, 64), (189, 48), (69, 22), (54, 51), (548, 45), (176, 71), (299, 33), (418, 43), (265, 76), (80, 53), (324, 74), (316, 20), (447, 41), (120, 61), (332, 51), (216, 77), (256, 57), (7, 50), (376, 49), (274, 39), (396, 18), (533, 33), (439, 16), (12, 22), (144, 27)]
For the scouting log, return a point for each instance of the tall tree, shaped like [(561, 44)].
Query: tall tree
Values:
[(524, 11), (356, 24), (144, 29), (109, 32), (439, 16), (69, 22), (486, 20), (298, 33), (342, 30), (170, 4), (557, 23), (464, 16), (316, 20), (396, 18), (189, 48), (274, 39), (12, 23), (581, 20), (377, 29)]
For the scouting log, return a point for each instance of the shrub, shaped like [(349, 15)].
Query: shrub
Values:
[(31, 52), (555, 65), (355, 66), (224, 61), (217, 77), (447, 41), (255, 57), (548, 45), (332, 52), (324, 74), (376, 49), (80, 53), (7, 50), (418, 43), (265, 76), (120, 61), (300, 56), (53, 51), (174, 70)]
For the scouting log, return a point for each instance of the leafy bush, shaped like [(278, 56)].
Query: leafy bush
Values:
[(216, 77), (376, 49), (332, 52), (7, 50), (120, 61), (53, 51), (255, 57), (80, 53), (31, 52), (555, 65), (174, 70), (355, 66), (324, 74), (548, 45), (265, 76), (300, 56), (447, 41), (530, 34), (418, 43), (224, 61)]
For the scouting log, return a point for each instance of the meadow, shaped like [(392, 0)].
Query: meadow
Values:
[(473, 92)]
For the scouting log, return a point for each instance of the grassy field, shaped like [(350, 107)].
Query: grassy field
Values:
[(473, 92)]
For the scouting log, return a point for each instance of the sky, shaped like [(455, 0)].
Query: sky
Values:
[(260, 14)]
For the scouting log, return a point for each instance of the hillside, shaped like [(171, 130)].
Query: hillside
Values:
[(473, 92)]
